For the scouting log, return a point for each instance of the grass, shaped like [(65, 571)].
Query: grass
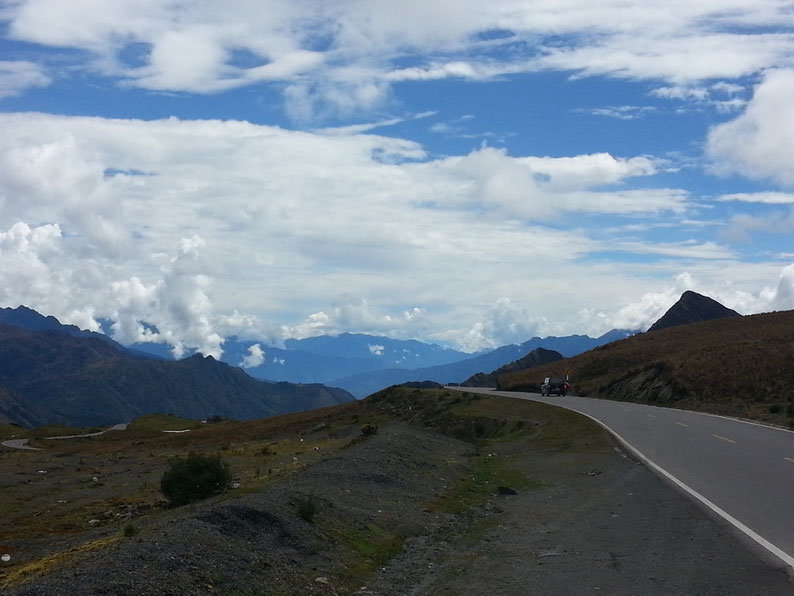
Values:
[(487, 473), (372, 547)]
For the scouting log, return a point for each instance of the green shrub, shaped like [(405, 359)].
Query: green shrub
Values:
[(369, 429), (194, 477), (131, 530), (306, 509), (776, 408)]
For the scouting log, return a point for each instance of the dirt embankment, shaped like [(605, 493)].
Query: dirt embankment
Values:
[(510, 498)]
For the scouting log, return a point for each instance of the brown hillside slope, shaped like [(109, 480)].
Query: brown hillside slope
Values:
[(742, 366)]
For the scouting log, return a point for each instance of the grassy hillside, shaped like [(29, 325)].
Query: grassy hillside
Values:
[(741, 366), (438, 453)]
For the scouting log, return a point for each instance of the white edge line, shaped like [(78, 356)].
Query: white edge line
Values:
[(760, 540), (770, 548)]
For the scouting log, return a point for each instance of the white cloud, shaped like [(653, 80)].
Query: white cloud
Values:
[(16, 77), (255, 356), (345, 55), (217, 228), (641, 313), (623, 112), (769, 198), (353, 312), (758, 144), (543, 187), (782, 297), (504, 323)]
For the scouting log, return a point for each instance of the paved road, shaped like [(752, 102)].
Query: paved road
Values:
[(742, 471)]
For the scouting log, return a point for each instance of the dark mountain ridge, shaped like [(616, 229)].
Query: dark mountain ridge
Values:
[(87, 381), (692, 307)]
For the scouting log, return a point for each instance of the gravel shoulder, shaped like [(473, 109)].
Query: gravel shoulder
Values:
[(410, 511)]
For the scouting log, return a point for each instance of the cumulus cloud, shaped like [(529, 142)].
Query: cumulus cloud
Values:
[(758, 144), (641, 313), (186, 232), (255, 356), (502, 324), (355, 313), (177, 305), (782, 296)]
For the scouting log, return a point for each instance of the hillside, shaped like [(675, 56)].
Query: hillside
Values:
[(736, 365), (454, 494), (84, 381)]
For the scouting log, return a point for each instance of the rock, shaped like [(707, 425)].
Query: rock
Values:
[(506, 490)]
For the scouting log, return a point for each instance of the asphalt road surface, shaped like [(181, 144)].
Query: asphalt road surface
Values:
[(741, 471)]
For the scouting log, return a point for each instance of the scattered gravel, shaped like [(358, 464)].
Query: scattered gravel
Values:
[(598, 522)]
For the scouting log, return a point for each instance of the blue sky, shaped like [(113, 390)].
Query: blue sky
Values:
[(471, 173)]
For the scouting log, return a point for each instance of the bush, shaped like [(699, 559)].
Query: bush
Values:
[(194, 477), (369, 429), (306, 509)]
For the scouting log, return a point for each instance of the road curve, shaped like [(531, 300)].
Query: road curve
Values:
[(742, 471)]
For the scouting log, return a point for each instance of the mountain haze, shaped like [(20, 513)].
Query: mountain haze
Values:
[(364, 384)]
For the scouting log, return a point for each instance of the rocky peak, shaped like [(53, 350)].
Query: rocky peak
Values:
[(693, 308)]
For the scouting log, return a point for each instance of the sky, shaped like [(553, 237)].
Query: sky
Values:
[(464, 172)]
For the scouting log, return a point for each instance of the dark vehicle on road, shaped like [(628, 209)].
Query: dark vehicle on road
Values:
[(554, 385)]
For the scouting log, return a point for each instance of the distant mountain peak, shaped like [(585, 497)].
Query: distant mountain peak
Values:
[(693, 308)]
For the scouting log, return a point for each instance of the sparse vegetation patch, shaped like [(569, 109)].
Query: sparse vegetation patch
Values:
[(193, 478)]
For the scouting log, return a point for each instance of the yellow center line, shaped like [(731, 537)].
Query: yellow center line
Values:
[(682, 424), (725, 439), (791, 459)]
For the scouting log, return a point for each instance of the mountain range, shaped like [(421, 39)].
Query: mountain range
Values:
[(50, 372), (53, 375), (363, 364)]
